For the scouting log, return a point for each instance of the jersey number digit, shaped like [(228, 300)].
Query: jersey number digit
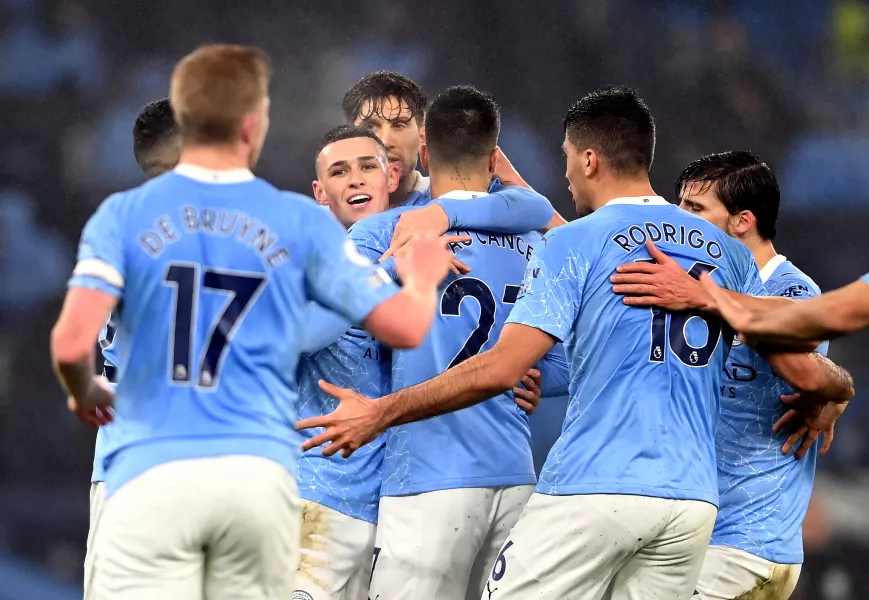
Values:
[(451, 305), (685, 352), (242, 289)]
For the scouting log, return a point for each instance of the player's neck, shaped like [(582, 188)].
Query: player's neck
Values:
[(216, 158), (622, 188), (762, 250), (451, 180)]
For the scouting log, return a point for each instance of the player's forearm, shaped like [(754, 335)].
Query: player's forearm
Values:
[(824, 317), (473, 381), (74, 363), (812, 373), (403, 321)]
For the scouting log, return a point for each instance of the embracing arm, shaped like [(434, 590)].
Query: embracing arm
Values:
[(812, 373), (473, 381)]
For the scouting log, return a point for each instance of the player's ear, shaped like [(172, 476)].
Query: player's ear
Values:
[(592, 162), (423, 156), (392, 177), (249, 128), (493, 160), (743, 222), (319, 193)]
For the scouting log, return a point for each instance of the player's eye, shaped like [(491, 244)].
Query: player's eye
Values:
[(338, 172), (371, 126), (368, 167), (399, 125)]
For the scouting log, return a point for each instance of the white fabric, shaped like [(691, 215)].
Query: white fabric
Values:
[(770, 267), (224, 528), (462, 195), (337, 552), (576, 547), (442, 544), (96, 267), (213, 176), (640, 200), (98, 502), (422, 182), (734, 573)]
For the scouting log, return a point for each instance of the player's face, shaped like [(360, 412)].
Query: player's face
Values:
[(354, 178), (393, 122), (699, 198), (575, 174), (261, 128)]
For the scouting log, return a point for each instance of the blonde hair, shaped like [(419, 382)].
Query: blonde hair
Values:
[(214, 88)]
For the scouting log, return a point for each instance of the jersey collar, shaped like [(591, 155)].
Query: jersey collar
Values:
[(462, 194), (213, 176), (770, 267), (421, 184), (639, 200)]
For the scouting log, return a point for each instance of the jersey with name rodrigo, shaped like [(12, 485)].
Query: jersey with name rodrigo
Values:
[(644, 388)]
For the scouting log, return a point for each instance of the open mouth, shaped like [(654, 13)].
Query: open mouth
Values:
[(359, 200)]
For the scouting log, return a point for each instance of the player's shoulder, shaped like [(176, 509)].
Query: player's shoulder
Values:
[(790, 281)]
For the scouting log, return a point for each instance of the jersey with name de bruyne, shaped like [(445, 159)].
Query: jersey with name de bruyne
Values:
[(644, 384), (213, 281)]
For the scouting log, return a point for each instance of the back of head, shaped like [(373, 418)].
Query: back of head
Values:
[(740, 181), (156, 141), (461, 124), (617, 124), (371, 94), (214, 88)]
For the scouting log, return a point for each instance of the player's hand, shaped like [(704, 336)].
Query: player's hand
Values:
[(663, 283), (425, 261), (95, 408), (810, 417), (506, 172), (456, 266), (354, 423), (528, 397), (430, 220)]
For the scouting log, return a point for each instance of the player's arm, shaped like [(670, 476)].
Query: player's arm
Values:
[(666, 284), (341, 279), (827, 316), (96, 286), (323, 328), (359, 420), (554, 372)]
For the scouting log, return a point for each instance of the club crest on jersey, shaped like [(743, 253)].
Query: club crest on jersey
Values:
[(301, 595)]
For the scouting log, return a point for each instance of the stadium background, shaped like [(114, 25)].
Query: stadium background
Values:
[(788, 80)]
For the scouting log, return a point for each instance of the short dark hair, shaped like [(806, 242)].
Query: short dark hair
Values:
[(347, 132), (742, 181), (462, 123), (615, 122), (379, 86), (154, 129)]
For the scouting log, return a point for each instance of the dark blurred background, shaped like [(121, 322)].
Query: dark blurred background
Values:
[(786, 79)]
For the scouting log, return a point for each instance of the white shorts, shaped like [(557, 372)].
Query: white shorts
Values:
[(442, 544), (733, 573), (224, 528), (337, 551), (98, 502), (589, 547)]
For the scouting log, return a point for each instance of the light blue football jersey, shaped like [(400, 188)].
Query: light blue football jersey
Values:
[(865, 278), (214, 271), (764, 494), (356, 361), (485, 445), (644, 389)]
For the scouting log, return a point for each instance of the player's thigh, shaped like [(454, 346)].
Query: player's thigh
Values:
[(427, 543), (97, 503), (567, 547), (733, 573), (254, 531), (506, 509), (150, 536), (336, 555), (668, 564)]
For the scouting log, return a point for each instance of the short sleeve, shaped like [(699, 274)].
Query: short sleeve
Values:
[(551, 292), (372, 238), (101, 264), (338, 276)]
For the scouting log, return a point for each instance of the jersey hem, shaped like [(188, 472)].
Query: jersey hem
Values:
[(779, 559), (628, 490), (459, 483), (341, 506)]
